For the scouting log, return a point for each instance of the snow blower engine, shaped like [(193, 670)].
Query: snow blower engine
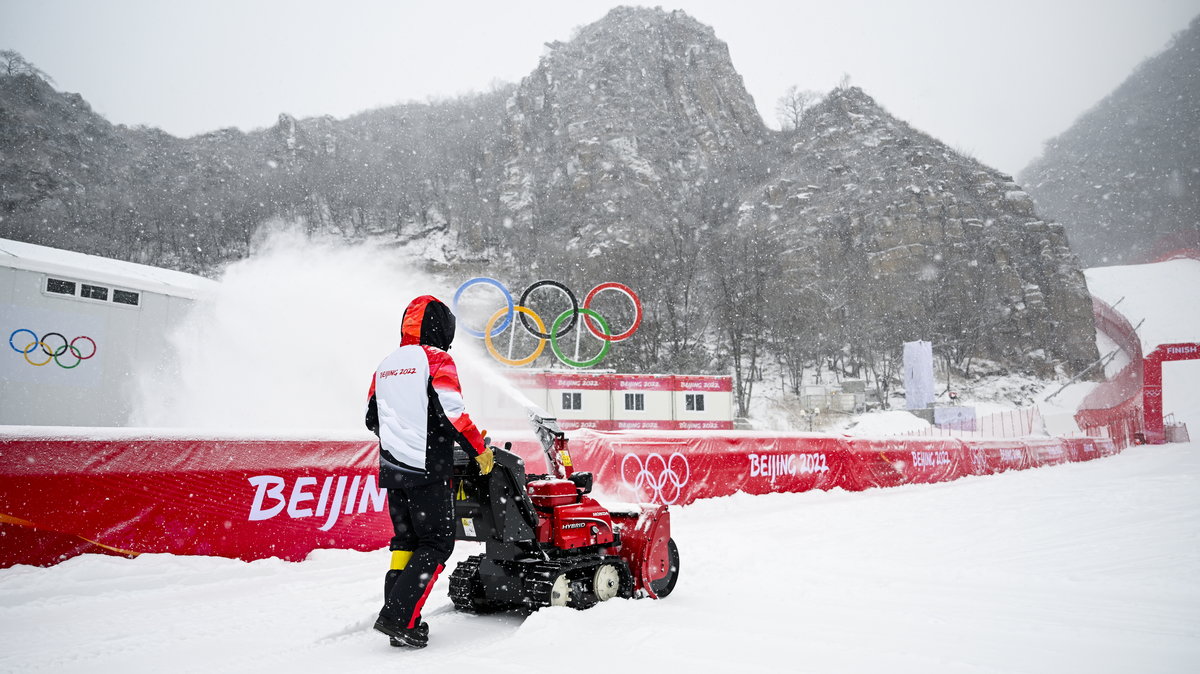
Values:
[(547, 543)]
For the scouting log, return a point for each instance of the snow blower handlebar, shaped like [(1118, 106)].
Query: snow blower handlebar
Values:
[(554, 445)]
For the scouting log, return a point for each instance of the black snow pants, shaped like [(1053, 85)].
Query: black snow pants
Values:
[(422, 510)]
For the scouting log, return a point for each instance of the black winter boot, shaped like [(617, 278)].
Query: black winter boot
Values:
[(399, 635)]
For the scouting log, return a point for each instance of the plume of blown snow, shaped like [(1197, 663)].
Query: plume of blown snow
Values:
[(292, 338)]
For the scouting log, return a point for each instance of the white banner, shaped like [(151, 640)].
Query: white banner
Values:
[(918, 375)]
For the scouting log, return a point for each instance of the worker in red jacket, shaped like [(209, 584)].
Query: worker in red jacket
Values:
[(415, 406)]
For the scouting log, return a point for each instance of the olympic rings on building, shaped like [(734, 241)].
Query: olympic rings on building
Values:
[(52, 354), (535, 326), (664, 479)]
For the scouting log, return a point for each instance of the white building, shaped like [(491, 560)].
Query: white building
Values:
[(79, 328), (613, 401)]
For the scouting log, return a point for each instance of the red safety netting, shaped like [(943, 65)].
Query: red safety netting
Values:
[(255, 498), (1128, 407), (1114, 408)]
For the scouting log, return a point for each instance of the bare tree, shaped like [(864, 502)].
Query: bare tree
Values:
[(746, 261), (792, 105), (12, 63)]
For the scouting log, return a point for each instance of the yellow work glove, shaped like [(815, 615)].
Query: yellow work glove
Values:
[(485, 461)]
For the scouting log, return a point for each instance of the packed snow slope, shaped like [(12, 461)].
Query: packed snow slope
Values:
[(1088, 567), (1162, 293)]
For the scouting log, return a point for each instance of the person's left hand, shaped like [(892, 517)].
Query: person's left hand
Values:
[(485, 461)]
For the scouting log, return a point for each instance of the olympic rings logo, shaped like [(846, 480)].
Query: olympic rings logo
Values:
[(663, 479), (52, 354), (559, 328)]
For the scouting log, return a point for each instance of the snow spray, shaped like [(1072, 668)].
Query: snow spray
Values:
[(290, 341)]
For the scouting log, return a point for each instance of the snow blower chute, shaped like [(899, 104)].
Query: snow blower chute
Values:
[(547, 543)]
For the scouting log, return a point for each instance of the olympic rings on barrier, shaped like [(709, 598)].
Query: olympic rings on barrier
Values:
[(51, 354), (660, 476), (562, 325)]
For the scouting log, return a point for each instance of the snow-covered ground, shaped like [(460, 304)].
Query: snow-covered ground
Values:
[(1090, 567)]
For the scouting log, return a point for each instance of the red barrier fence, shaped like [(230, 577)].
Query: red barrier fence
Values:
[(255, 498), (246, 498)]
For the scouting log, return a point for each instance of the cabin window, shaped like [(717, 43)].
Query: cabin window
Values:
[(126, 297), (694, 402), (94, 292), (635, 401), (60, 287), (572, 401)]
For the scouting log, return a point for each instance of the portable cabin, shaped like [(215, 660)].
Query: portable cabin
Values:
[(614, 401), (703, 402), (81, 331), (580, 399), (642, 401)]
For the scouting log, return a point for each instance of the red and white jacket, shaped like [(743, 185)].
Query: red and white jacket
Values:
[(415, 403)]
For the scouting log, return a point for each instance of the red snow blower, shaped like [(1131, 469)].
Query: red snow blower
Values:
[(547, 542)]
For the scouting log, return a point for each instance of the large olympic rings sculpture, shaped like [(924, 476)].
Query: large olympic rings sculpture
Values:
[(51, 354), (559, 328), (661, 479)]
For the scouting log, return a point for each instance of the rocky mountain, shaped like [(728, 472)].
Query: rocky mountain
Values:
[(1125, 178), (633, 152), (910, 240), (70, 178), (628, 126)]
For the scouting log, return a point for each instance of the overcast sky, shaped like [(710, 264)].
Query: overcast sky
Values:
[(991, 78)]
